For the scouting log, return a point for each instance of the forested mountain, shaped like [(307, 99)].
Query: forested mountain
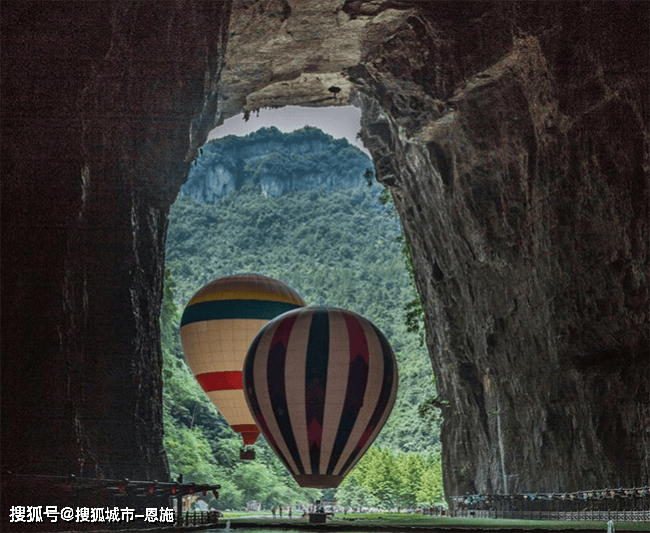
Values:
[(340, 248), (306, 159)]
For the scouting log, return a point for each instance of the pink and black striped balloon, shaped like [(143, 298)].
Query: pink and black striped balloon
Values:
[(320, 383)]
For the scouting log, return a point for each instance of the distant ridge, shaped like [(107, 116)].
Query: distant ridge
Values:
[(306, 159)]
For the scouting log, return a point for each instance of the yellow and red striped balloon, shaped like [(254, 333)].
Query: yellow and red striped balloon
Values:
[(320, 383), (217, 327)]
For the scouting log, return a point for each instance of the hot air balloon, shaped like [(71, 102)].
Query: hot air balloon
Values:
[(217, 327), (320, 383)]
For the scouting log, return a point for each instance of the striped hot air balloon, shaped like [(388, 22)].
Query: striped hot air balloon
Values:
[(217, 327), (320, 383)]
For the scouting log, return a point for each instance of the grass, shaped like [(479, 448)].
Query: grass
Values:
[(385, 520), (244, 514)]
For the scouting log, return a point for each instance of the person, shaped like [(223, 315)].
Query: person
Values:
[(280, 508), (273, 511), (290, 512)]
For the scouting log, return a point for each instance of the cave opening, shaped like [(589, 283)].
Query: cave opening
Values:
[(336, 240)]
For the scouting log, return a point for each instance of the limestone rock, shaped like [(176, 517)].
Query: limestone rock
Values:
[(525, 199), (292, 52), (103, 104)]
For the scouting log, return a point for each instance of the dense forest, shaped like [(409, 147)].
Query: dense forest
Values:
[(342, 248)]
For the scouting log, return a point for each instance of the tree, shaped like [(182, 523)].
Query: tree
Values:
[(431, 488), (410, 467), (381, 477), (352, 494), (189, 453), (230, 495), (256, 483)]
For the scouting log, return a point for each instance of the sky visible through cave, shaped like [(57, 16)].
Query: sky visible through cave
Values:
[(339, 122)]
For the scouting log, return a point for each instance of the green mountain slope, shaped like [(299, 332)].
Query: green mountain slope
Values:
[(338, 248)]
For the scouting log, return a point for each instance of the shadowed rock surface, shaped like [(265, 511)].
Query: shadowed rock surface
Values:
[(512, 135), (103, 105), (525, 199)]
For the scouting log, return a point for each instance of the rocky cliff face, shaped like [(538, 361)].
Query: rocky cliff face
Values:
[(103, 104), (279, 163), (513, 137), (525, 198)]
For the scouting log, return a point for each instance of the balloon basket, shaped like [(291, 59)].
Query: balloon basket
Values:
[(246, 455)]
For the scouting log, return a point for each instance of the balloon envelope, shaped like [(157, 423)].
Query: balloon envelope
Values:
[(320, 383), (217, 327)]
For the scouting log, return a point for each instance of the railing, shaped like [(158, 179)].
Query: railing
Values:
[(622, 505), (603, 516), (197, 518)]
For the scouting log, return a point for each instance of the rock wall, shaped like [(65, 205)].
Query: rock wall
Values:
[(103, 107), (516, 149), (513, 137)]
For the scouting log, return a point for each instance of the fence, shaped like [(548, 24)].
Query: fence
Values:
[(197, 518), (621, 505), (603, 516)]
